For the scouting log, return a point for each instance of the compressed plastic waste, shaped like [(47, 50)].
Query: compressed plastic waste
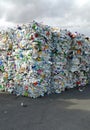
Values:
[(29, 60), (36, 59), (79, 57), (3, 59), (61, 44)]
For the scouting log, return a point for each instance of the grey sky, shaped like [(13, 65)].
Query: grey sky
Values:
[(72, 14)]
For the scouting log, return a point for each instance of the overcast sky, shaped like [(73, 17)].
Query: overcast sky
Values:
[(71, 14)]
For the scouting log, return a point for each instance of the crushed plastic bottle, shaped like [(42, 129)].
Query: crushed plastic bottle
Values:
[(36, 59)]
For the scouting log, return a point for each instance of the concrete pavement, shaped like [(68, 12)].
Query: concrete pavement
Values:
[(69, 110)]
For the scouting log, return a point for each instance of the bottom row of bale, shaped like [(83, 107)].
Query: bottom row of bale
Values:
[(36, 59)]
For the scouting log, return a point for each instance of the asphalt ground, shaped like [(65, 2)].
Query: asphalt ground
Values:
[(69, 110)]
